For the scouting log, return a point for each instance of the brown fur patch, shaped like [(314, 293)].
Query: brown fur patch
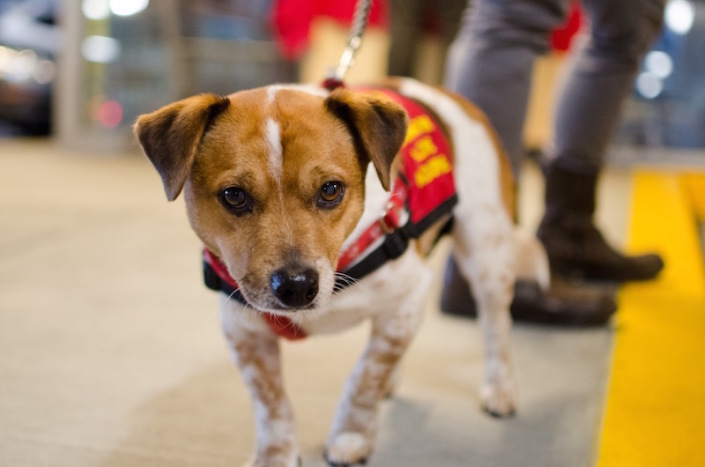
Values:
[(285, 222)]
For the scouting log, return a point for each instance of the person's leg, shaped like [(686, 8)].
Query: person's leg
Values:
[(492, 59), (405, 20), (587, 115), (450, 16), (491, 64)]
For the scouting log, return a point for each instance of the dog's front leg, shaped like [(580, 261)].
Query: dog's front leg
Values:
[(256, 352), (352, 436)]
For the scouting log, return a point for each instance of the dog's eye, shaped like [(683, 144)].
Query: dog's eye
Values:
[(330, 195), (236, 200)]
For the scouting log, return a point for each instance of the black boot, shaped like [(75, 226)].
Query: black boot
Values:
[(575, 248), (563, 305)]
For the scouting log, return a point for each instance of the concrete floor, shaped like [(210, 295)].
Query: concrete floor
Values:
[(111, 353)]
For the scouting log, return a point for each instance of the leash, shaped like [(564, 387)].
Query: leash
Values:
[(347, 60)]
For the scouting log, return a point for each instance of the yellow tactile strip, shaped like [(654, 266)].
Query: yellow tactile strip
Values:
[(655, 405), (695, 186)]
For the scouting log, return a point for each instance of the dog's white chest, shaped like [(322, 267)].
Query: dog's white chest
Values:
[(382, 291)]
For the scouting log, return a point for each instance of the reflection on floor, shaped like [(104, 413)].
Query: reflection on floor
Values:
[(111, 354)]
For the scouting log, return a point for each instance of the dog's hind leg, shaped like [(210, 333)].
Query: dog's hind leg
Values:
[(482, 231), (484, 249)]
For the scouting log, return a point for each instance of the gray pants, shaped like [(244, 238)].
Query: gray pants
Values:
[(492, 58)]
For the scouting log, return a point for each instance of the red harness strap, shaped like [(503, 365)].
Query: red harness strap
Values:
[(421, 195), (392, 220)]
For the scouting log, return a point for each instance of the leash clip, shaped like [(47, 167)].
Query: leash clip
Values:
[(347, 60), (393, 218)]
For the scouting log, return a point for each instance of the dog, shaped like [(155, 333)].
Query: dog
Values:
[(303, 239)]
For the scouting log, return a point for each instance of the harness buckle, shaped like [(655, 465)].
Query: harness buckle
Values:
[(393, 218), (387, 223)]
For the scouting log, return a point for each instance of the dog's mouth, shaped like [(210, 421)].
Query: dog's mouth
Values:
[(268, 303), (288, 311)]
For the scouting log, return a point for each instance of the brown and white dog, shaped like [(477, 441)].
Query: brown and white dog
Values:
[(276, 186)]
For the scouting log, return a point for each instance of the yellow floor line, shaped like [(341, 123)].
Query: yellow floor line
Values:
[(655, 406)]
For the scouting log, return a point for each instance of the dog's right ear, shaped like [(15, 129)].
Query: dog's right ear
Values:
[(170, 136)]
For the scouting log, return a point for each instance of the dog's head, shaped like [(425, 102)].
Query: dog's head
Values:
[(273, 180)]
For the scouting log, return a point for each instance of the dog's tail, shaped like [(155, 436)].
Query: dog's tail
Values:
[(532, 261)]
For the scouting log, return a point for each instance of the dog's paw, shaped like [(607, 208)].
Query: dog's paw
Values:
[(276, 460), (348, 449), (498, 401)]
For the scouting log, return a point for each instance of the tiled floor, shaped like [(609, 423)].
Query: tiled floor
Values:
[(111, 354)]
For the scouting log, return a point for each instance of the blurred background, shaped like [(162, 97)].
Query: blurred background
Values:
[(110, 349), (82, 70)]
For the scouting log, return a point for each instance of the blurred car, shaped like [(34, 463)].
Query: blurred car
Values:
[(29, 43)]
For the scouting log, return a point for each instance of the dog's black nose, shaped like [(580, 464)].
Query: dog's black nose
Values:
[(295, 288)]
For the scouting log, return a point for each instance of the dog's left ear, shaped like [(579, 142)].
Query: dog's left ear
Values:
[(170, 136), (378, 127)]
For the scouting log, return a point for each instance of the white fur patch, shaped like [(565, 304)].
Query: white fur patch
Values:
[(272, 93), (273, 134), (272, 128)]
